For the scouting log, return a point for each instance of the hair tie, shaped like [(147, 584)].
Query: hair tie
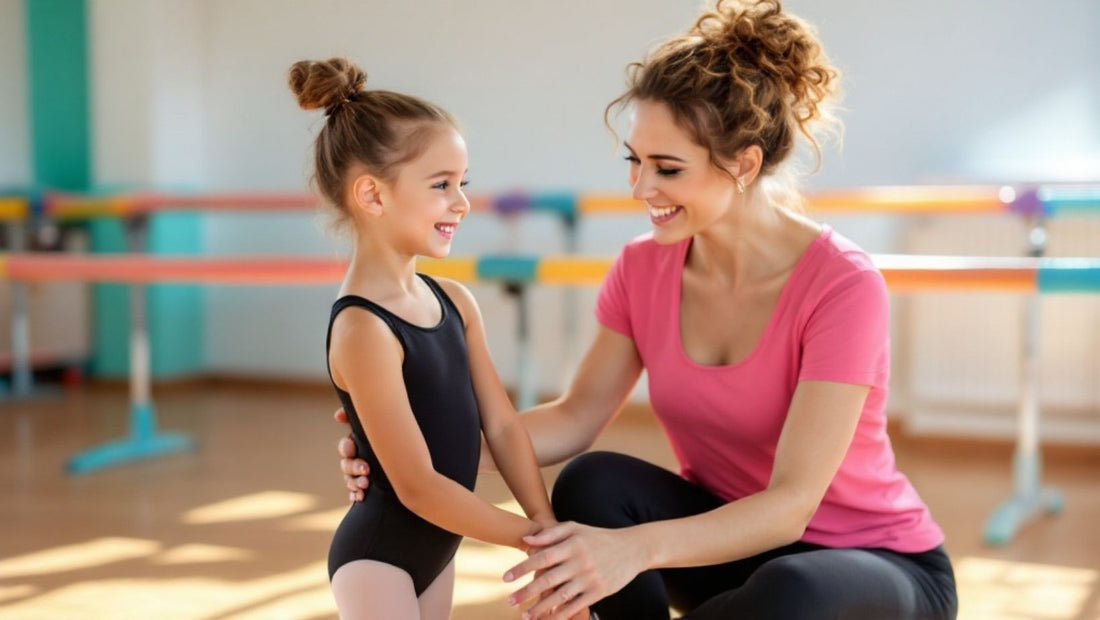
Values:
[(332, 109)]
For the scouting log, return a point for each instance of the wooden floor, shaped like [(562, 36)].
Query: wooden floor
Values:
[(240, 528)]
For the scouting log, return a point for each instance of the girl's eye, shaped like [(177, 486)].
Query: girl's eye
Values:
[(668, 172), (464, 184), (442, 185)]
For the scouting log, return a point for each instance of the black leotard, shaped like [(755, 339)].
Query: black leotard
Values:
[(437, 379)]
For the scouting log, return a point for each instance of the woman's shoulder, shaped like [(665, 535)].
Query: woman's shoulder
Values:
[(839, 257), (838, 268)]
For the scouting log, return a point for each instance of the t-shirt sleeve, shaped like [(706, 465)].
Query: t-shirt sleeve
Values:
[(612, 304), (847, 336)]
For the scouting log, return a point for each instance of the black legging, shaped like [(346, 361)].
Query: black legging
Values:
[(798, 581)]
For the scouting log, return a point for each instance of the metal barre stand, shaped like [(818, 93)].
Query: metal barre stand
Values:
[(1029, 499), (144, 442)]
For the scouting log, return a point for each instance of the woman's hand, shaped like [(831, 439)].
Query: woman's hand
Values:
[(355, 470), (576, 565)]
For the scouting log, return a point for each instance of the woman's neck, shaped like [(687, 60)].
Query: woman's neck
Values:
[(751, 242)]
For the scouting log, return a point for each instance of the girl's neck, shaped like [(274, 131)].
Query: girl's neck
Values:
[(379, 271)]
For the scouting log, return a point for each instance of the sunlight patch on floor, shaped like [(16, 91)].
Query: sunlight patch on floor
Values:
[(308, 604), (8, 593), (78, 556), (199, 553), (263, 505), (991, 589), (317, 522), (189, 597)]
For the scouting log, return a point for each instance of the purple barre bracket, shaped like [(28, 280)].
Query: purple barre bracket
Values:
[(1028, 204), (512, 203)]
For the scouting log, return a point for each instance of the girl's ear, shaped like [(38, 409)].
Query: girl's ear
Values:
[(366, 196)]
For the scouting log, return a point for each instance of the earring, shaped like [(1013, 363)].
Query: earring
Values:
[(740, 185)]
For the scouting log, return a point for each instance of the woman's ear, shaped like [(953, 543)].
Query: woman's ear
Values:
[(747, 163), (366, 195)]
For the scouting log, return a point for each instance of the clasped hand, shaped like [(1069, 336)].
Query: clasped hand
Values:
[(575, 565)]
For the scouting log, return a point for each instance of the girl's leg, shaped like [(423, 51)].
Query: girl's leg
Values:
[(435, 602), (842, 584), (368, 590)]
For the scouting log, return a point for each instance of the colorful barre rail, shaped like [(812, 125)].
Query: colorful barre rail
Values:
[(1046, 201), (903, 273)]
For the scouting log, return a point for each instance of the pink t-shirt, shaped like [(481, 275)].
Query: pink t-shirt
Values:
[(831, 323)]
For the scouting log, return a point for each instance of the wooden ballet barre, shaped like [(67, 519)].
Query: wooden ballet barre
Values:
[(903, 273), (905, 200)]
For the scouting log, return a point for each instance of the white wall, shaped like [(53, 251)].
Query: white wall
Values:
[(936, 91), (15, 165), (982, 90), (146, 93)]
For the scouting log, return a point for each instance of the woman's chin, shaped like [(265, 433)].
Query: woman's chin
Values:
[(664, 236)]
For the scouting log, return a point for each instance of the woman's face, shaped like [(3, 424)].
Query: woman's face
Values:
[(673, 175)]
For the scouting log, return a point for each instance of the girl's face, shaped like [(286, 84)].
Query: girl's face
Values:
[(673, 175), (426, 199)]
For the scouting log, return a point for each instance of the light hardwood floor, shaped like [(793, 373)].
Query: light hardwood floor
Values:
[(240, 528)]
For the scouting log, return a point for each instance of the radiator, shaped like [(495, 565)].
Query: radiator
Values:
[(957, 356)]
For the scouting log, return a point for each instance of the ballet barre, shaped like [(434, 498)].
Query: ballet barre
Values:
[(1045, 200)]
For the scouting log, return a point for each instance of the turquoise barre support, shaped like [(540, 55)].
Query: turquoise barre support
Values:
[(143, 443), (1062, 200), (1069, 275), (511, 268), (561, 203)]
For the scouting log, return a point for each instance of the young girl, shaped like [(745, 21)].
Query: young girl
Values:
[(407, 354)]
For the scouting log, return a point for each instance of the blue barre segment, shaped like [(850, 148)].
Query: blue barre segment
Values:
[(1069, 275), (518, 268), (561, 203), (143, 443), (1070, 199)]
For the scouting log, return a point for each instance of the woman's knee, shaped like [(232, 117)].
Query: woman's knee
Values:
[(787, 587), (589, 487)]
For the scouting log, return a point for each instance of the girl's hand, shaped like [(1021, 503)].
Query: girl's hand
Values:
[(576, 566)]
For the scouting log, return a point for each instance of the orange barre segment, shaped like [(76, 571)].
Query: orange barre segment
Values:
[(227, 201), (480, 202), (609, 203), (991, 280), (914, 199), (908, 273), (64, 207), (13, 209), (571, 270), (144, 270)]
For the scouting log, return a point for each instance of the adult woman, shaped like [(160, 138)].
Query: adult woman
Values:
[(765, 338)]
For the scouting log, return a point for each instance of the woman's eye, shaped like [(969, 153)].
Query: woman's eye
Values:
[(668, 172), (632, 159)]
